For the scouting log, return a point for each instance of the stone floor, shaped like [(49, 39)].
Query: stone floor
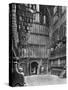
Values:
[(36, 80)]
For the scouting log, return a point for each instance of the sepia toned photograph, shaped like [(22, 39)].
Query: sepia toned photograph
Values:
[(37, 44)]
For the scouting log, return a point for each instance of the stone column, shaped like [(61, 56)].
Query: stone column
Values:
[(58, 61), (28, 71), (39, 66), (14, 25), (37, 7)]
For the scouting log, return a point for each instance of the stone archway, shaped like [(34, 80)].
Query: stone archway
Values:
[(33, 68)]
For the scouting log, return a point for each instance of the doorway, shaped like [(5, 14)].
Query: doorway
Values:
[(33, 68)]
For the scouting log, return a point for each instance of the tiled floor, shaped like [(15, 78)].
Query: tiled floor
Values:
[(36, 80)]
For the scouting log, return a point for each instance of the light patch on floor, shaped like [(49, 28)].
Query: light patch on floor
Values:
[(36, 80)]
